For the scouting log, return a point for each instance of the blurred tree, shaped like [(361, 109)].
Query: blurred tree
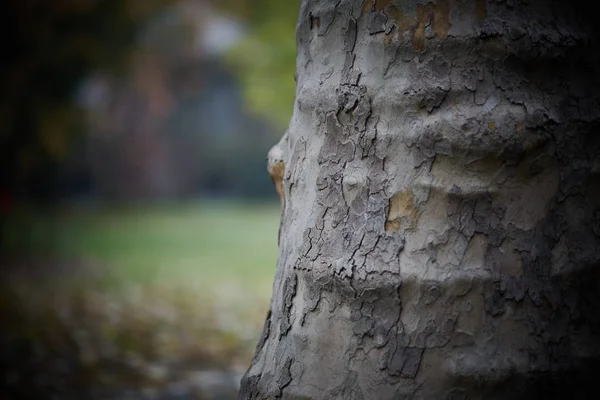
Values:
[(266, 58), (175, 126), (48, 48)]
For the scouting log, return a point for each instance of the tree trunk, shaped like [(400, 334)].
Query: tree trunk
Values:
[(440, 233)]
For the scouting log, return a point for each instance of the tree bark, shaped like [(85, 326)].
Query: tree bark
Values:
[(440, 233)]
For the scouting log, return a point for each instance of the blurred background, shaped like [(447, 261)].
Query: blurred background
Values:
[(138, 223)]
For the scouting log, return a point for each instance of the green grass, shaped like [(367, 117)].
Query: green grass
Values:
[(218, 245)]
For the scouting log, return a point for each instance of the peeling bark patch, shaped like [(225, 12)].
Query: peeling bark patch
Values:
[(441, 19), (374, 5), (481, 11), (377, 22), (405, 361), (402, 205), (433, 20), (380, 5), (249, 387), (285, 377), (277, 171), (430, 293), (402, 21), (349, 389), (388, 39), (263, 337), (289, 292), (315, 22), (368, 5), (419, 35), (350, 35)]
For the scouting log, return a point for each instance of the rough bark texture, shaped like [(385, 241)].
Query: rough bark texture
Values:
[(440, 232)]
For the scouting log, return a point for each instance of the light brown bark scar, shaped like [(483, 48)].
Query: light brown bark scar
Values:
[(402, 206)]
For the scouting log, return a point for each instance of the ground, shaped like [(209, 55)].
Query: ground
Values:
[(162, 301)]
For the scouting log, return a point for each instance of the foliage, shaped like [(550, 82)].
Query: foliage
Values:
[(52, 46), (266, 59), (49, 47)]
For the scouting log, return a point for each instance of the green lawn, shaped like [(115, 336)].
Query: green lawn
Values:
[(212, 245)]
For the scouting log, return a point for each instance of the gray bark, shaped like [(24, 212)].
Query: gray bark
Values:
[(440, 233)]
